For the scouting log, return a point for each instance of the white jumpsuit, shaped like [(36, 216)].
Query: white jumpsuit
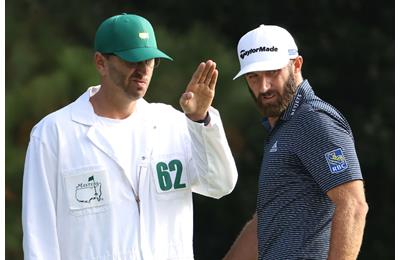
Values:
[(82, 201)]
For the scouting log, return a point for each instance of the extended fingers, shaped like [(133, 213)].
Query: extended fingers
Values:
[(213, 81), (208, 72), (198, 73), (204, 72)]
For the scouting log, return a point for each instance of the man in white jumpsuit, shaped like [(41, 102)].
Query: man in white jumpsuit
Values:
[(111, 176)]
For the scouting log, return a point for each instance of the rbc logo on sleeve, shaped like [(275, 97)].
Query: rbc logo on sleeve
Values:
[(336, 161)]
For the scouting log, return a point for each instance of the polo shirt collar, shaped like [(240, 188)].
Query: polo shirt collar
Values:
[(303, 92)]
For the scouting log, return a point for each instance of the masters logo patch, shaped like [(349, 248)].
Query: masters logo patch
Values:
[(336, 161), (87, 188), (85, 192)]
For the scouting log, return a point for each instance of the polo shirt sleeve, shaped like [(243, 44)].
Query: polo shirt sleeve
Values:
[(326, 149)]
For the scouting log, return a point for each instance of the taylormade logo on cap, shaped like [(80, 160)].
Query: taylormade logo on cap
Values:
[(244, 53), (268, 47)]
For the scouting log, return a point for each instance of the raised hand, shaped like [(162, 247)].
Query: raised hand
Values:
[(200, 91)]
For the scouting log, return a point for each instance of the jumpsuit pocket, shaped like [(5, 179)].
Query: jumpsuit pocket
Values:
[(87, 190), (170, 176)]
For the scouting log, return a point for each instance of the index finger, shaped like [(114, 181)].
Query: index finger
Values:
[(197, 74), (208, 70)]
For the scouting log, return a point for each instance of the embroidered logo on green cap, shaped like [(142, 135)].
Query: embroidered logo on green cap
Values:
[(143, 35)]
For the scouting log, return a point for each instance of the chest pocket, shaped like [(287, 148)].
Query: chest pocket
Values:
[(87, 190), (170, 176)]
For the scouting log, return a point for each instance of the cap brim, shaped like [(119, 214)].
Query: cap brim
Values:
[(262, 66), (141, 54)]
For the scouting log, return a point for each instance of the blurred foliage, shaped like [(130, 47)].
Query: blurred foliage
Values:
[(348, 50)]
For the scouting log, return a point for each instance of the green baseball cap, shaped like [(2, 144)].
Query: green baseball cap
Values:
[(130, 37)]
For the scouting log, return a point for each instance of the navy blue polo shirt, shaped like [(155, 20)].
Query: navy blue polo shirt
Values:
[(308, 152)]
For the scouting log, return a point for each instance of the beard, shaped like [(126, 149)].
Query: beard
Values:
[(282, 101), (123, 82)]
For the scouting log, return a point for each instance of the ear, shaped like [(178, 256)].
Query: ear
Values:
[(298, 63), (100, 62)]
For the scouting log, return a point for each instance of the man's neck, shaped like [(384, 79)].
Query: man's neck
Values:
[(112, 105), (272, 121)]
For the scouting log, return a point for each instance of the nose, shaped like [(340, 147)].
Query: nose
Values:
[(141, 68), (265, 83)]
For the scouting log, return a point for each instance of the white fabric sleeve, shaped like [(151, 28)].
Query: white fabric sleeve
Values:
[(40, 239), (215, 172)]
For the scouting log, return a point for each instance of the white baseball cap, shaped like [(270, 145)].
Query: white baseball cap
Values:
[(268, 47)]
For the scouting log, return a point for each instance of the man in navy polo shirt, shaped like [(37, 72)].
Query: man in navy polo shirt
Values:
[(311, 202)]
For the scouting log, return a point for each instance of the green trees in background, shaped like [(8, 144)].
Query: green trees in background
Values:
[(348, 52)]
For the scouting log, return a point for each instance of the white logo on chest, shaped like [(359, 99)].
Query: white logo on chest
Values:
[(274, 147)]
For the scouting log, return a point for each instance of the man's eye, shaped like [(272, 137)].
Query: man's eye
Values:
[(274, 72)]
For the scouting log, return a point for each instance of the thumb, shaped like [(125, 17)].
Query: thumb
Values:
[(184, 100), (187, 95)]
